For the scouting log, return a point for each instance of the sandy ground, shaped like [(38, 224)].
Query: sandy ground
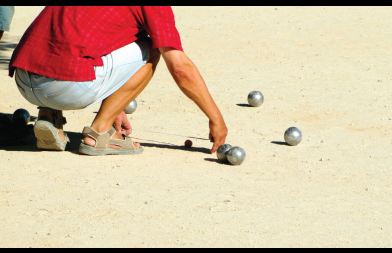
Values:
[(325, 70)]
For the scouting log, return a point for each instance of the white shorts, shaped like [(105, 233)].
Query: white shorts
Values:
[(6, 14), (118, 67)]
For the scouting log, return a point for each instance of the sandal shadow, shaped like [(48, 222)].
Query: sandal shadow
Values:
[(74, 142)]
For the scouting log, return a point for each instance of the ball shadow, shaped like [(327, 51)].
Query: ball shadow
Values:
[(244, 105), (216, 160), (280, 143)]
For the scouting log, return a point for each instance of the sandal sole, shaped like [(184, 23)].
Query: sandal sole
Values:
[(89, 150), (47, 136)]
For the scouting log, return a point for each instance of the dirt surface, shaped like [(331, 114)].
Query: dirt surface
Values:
[(325, 70)]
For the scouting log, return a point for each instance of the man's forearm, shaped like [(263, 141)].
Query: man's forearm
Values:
[(193, 86)]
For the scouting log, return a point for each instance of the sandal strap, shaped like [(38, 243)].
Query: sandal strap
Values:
[(125, 144), (53, 112), (101, 139), (104, 139)]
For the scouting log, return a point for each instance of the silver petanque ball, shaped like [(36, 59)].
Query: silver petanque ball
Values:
[(131, 107), (221, 153), (236, 155), (293, 136), (255, 98)]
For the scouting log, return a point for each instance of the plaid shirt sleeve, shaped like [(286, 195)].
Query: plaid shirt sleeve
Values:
[(160, 25)]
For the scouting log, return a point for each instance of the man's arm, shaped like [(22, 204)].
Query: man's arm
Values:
[(191, 83)]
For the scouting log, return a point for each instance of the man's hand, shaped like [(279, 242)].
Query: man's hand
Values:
[(122, 124), (218, 133)]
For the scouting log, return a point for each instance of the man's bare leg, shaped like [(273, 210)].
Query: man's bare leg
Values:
[(113, 105), (1, 34)]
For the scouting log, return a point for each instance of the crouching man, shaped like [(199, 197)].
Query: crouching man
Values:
[(72, 57)]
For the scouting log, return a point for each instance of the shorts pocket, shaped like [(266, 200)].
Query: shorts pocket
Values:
[(72, 96), (99, 71)]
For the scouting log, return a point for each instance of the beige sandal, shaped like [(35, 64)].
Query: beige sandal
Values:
[(104, 139), (47, 134)]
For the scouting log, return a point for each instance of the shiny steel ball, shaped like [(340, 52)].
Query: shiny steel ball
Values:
[(236, 155), (131, 107), (293, 136), (21, 117), (221, 153), (255, 98)]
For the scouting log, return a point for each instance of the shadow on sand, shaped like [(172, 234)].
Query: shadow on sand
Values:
[(157, 144), (216, 160), (280, 143), (30, 145), (244, 105)]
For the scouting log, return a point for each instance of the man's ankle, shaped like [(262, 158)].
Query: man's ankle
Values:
[(101, 128), (45, 115)]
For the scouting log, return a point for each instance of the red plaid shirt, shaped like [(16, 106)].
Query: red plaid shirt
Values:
[(66, 42)]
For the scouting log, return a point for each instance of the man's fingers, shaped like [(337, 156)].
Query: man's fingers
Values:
[(216, 145), (126, 124), (117, 126), (211, 138), (127, 131)]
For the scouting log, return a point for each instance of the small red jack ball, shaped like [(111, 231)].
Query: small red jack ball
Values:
[(188, 143)]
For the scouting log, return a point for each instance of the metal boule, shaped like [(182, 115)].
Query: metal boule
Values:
[(255, 98), (221, 153), (293, 136), (131, 108), (236, 155)]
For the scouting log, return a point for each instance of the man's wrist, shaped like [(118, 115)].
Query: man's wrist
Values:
[(217, 120)]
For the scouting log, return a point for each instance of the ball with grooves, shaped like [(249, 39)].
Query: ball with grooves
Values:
[(236, 155), (221, 153), (21, 117), (255, 98), (293, 136), (131, 108)]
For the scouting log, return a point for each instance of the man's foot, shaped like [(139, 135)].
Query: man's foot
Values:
[(46, 115), (49, 129), (122, 126), (91, 142), (107, 145)]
